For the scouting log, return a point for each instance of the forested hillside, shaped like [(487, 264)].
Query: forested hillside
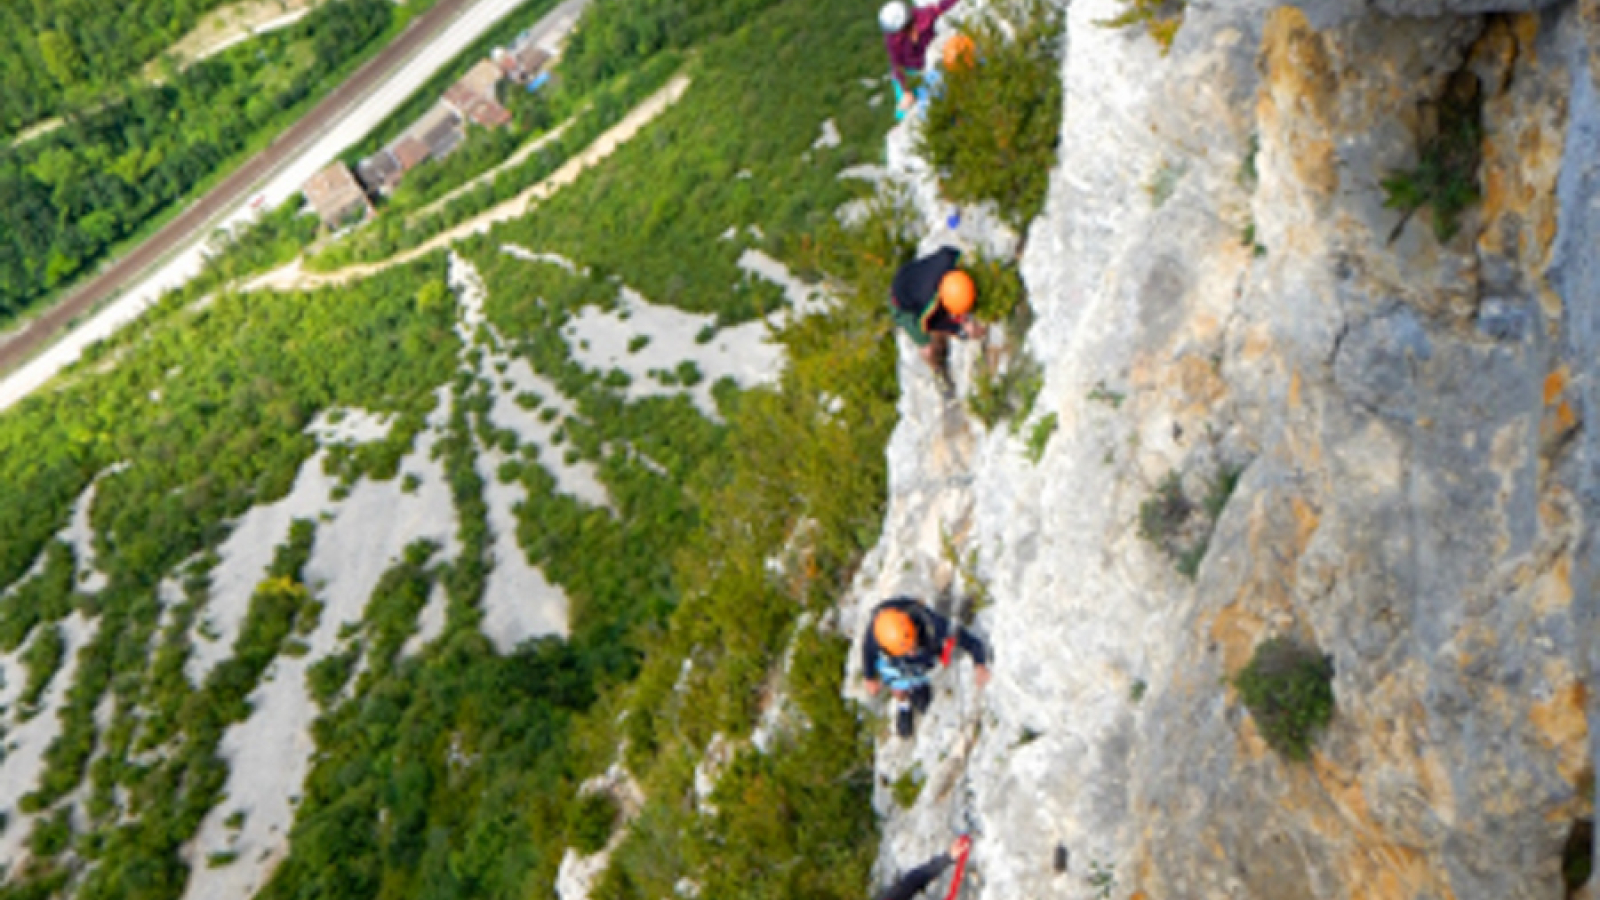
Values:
[(69, 196), (261, 518), (55, 51)]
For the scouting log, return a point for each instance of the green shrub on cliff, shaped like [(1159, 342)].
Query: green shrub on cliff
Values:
[(992, 131), (1288, 689)]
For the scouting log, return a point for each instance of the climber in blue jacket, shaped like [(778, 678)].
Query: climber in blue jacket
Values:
[(905, 645)]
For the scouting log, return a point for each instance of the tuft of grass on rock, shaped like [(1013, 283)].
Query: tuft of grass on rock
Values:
[(1164, 183), (1039, 437), (1445, 178), (907, 788), (1181, 526), (1102, 394), (1009, 393), (1160, 19)]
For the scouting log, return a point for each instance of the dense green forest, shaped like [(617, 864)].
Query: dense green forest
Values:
[(71, 195), (452, 771), (53, 51)]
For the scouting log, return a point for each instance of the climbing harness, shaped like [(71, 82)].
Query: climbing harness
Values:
[(900, 680)]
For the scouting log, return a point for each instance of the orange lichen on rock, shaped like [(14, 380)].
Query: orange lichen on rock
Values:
[(1522, 150), (1554, 384), (1376, 866), (1301, 96), (1306, 521), (1563, 724), (1196, 381), (1235, 630), (1554, 591), (1566, 417)]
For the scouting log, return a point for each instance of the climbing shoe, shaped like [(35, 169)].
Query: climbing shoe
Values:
[(904, 718)]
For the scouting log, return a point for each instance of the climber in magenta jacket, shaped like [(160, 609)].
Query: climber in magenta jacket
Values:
[(907, 33)]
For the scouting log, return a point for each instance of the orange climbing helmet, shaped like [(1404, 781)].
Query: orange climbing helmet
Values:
[(895, 631), (957, 293), (960, 53)]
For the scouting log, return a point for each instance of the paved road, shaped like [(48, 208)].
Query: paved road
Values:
[(428, 43)]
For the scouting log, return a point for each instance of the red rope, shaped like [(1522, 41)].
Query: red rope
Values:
[(961, 867)]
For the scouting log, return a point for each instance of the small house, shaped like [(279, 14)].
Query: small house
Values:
[(337, 197)]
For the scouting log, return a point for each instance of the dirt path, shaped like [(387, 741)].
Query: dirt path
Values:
[(196, 221), (293, 277), (515, 160), (229, 25)]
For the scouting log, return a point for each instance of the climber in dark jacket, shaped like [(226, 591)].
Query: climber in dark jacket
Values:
[(932, 299), (904, 646), (911, 883)]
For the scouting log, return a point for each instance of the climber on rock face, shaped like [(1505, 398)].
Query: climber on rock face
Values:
[(905, 644), (907, 32), (932, 299), (912, 883)]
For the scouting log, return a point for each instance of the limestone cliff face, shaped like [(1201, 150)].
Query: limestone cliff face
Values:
[(1413, 422)]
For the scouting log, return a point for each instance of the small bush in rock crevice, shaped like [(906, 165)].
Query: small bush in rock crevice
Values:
[(1039, 438), (1445, 178), (1005, 393), (1000, 288), (1288, 689), (907, 788), (1181, 527)]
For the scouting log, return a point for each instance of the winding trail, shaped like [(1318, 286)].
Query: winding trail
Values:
[(516, 159)]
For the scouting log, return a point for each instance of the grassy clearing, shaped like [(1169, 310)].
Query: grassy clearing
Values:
[(811, 481)]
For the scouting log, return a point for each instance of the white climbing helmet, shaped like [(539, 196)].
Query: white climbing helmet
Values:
[(893, 16)]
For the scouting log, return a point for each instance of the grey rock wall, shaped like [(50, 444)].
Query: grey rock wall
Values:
[(1410, 417)]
